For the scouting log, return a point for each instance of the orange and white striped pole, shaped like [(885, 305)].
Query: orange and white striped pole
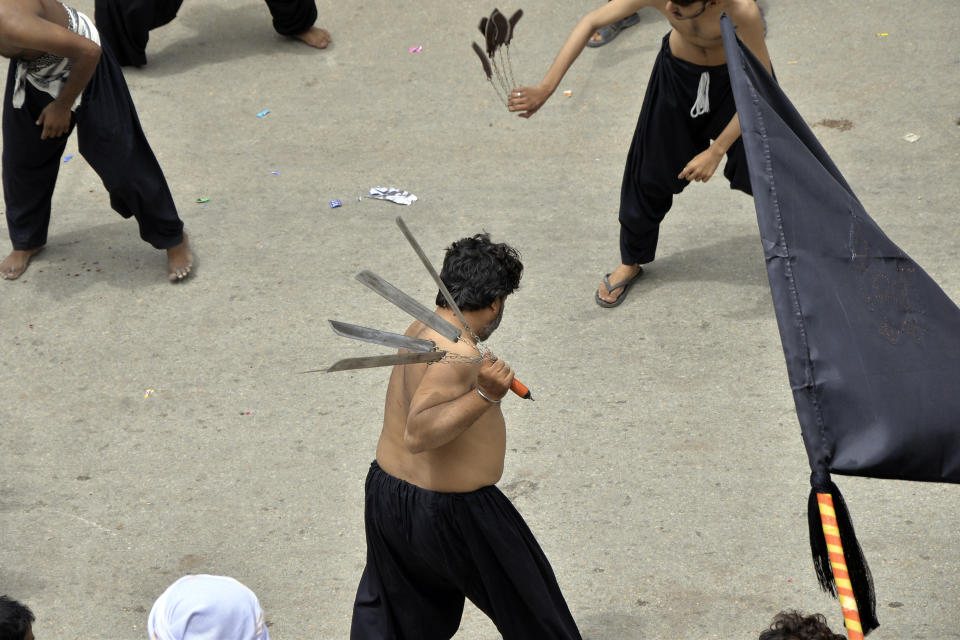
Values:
[(838, 563)]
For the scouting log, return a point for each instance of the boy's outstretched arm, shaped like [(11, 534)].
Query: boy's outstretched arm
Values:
[(530, 99)]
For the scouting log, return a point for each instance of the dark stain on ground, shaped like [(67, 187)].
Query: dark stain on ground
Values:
[(519, 488), (190, 563), (840, 125)]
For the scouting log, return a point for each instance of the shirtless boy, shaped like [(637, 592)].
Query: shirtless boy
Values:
[(688, 120), (59, 78), (438, 530)]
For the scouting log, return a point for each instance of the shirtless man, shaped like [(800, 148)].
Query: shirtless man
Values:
[(60, 77), (687, 124), (437, 528)]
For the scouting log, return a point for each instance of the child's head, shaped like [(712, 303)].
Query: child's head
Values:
[(793, 625), (689, 9), (16, 620)]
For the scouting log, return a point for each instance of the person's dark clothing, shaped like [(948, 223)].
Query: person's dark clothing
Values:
[(667, 137), (109, 137), (427, 550), (126, 24)]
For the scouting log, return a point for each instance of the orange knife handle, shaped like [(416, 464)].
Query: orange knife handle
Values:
[(520, 389)]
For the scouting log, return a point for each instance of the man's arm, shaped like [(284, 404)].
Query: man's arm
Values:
[(446, 402), (532, 98), (746, 16), (25, 30)]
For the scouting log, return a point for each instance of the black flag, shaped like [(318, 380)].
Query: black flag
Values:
[(872, 344)]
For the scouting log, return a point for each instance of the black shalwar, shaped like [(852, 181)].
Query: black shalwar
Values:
[(667, 137), (427, 550), (126, 24), (109, 137)]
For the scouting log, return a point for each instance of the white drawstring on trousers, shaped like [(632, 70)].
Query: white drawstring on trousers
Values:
[(702, 105)]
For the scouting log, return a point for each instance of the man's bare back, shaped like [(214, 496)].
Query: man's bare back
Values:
[(438, 432)]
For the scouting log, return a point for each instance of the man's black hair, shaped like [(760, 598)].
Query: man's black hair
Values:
[(478, 271), (15, 619), (793, 625)]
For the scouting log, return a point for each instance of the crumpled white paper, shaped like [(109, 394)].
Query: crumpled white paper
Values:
[(393, 195)]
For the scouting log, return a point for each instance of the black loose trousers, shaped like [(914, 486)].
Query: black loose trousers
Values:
[(667, 137), (126, 24), (427, 550), (109, 137)]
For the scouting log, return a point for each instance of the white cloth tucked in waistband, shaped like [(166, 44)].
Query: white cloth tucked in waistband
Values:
[(49, 72)]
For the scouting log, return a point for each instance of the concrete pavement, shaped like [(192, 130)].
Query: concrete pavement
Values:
[(151, 430)]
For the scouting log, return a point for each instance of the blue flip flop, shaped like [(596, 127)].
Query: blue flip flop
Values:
[(611, 31), (610, 287)]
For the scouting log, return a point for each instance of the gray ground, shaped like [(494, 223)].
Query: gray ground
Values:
[(661, 466)]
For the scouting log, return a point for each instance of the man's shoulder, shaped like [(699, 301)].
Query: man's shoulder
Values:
[(742, 10), (13, 13), (20, 7)]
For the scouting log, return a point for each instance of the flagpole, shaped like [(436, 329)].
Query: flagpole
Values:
[(838, 564)]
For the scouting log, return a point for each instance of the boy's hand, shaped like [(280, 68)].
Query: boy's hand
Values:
[(701, 168), (528, 100), (55, 120)]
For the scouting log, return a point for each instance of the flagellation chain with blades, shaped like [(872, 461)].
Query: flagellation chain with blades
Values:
[(497, 32), (420, 351)]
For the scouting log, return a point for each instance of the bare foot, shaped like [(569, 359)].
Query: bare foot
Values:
[(16, 263), (315, 37), (621, 273), (179, 260)]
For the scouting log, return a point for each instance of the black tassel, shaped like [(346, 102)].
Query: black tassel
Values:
[(515, 18), (491, 37), (860, 578), (483, 60), (503, 27), (483, 27), (511, 23)]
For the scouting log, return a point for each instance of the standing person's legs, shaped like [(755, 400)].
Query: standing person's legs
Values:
[(296, 18), (663, 143), (505, 572), (426, 549), (400, 597), (30, 167), (112, 141), (125, 25)]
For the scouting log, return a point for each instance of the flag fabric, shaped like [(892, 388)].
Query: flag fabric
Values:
[(872, 343)]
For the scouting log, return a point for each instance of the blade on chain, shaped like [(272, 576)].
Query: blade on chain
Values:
[(382, 361), (433, 272), (384, 338), (408, 304)]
